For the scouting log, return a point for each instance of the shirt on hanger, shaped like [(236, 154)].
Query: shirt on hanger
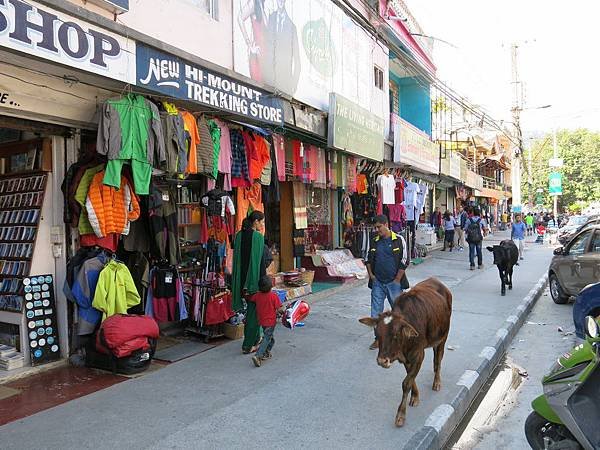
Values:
[(387, 185)]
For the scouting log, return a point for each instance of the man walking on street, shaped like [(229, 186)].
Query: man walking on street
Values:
[(517, 233), (460, 233), (386, 264), (529, 223), (474, 228)]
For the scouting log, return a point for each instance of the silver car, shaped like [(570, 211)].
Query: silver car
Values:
[(575, 265)]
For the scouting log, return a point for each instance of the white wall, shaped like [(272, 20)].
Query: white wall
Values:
[(184, 24)]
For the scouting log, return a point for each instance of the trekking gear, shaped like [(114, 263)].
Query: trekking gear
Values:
[(474, 235)]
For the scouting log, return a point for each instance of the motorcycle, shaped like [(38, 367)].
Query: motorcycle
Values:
[(567, 415)]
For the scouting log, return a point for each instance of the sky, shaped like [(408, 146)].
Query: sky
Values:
[(558, 56)]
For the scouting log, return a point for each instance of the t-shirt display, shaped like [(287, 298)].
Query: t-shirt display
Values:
[(387, 186)]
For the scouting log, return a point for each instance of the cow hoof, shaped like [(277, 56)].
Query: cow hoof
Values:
[(414, 401), (503, 293), (437, 386), (510, 287), (400, 421)]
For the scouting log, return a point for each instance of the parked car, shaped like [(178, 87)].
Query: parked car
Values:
[(586, 304), (575, 265), (574, 226)]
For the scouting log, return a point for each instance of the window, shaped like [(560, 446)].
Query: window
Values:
[(596, 243), (210, 7), (394, 98), (378, 77), (580, 244)]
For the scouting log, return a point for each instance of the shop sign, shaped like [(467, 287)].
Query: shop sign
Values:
[(180, 79), (451, 164), (354, 129), (48, 34), (413, 148), (315, 122), (555, 183)]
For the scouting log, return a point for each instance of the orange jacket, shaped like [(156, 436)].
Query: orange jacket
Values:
[(110, 210)]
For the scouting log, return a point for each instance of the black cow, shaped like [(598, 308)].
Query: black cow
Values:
[(506, 255)]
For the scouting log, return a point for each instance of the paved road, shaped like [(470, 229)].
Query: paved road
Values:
[(322, 389), (534, 349)]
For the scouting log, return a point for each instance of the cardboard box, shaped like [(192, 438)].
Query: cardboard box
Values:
[(233, 331)]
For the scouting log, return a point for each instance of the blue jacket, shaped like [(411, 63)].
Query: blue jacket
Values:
[(84, 288)]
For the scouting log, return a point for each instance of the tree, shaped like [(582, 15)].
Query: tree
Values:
[(580, 150)]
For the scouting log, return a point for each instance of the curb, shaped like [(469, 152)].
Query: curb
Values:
[(446, 417)]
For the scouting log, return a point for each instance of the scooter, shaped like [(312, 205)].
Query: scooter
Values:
[(567, 415)]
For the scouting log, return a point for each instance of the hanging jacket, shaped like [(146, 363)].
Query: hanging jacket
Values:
[(175, 142), (81, 193), (115, 291), (205, 149), (84, 288), (130, 128), (111, 210)]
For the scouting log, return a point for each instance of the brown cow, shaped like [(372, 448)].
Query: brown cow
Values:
[(420, 319)]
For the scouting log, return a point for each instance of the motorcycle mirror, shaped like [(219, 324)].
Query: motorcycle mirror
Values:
[(591, 327)]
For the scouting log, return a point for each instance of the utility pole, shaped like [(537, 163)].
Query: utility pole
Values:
[(516, 113), (555, 197)]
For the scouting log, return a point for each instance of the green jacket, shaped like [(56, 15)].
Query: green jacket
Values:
[(115, 291), (130, 128)]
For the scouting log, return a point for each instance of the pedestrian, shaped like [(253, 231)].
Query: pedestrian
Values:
[(386, 265), (529, 222), (503, 219), (436, 221), (251, 257), (459, 229), (268, 305), (517, 233), (449, 225), (474, 229)]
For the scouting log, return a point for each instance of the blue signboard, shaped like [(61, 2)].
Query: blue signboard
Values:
[(180, 79)]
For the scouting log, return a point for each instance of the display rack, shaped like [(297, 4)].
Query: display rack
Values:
[(21, 200)]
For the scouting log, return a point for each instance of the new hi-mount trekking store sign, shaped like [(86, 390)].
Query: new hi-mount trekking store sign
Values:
[(37, 30), (177, 78)]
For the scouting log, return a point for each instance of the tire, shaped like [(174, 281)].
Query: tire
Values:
[(533, 430), (556, 291)]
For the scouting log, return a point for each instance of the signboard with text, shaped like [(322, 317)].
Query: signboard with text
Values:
[(555, 183), (48, 34), (180, 79), (413, 148), (354, 129)]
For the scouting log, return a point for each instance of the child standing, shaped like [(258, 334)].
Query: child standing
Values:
[(267, 307)]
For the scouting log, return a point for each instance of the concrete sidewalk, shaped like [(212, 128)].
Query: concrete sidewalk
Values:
[(322, 388)]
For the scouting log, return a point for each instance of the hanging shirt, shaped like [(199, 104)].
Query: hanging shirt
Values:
[(387, 186), (399, 191), (193, 139)]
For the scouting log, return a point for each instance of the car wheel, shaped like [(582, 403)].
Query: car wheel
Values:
[(556, 291)]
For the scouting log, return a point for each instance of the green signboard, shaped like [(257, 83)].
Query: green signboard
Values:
[(354, 129), (555, 183), (539, 199)]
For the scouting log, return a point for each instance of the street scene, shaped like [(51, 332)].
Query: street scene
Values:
[(299, 224)]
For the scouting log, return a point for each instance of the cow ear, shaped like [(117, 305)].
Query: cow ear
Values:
[(491, 249), (409, 332), (368, 321)]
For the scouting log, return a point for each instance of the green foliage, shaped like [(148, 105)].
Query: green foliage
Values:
[(577, 207), (580, 150)]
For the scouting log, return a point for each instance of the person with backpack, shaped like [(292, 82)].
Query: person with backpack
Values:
[(460, 229), (474, 229)]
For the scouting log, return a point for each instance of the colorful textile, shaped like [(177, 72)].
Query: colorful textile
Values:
[(239, 163), (248, 200), (81, 193), (278, 142), (225, 156), (300, 211), (205, 150), (215, 134)]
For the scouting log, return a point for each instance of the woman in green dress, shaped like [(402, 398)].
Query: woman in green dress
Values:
[(250, 261)]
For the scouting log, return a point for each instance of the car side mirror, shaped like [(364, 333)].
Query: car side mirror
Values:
[(559, 251)]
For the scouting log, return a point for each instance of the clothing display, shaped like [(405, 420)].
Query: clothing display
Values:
[(162, 210), (217, 203), (248, 200), (387, 186), (239, 162), (300, 212), (130, 130), (175, 141)]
